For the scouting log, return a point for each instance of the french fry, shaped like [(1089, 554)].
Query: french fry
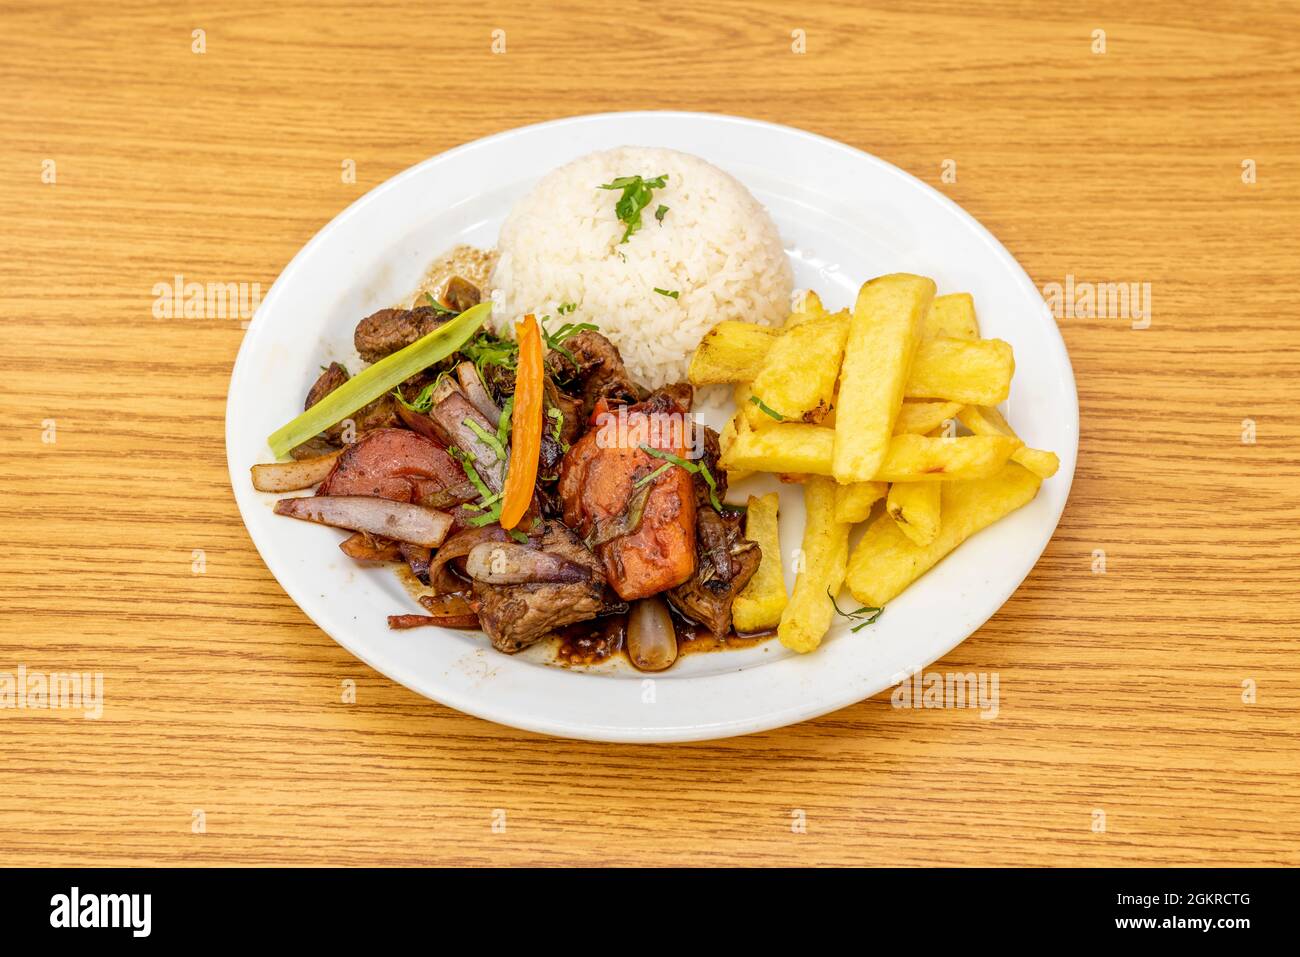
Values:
[(808, 307), (808, 449), (921, 417), (973, 373), (914, 507), (853, 503), (797, 381), (732, 351), (982, 420), (882, 340), (740, 395), (807, 616), (952, 317), (759, 605), (920, 458), (886, 561), (785, 447)]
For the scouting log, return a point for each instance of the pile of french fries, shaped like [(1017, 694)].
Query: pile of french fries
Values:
[(862, 407)]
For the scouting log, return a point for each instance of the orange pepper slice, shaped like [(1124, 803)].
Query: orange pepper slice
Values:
[(525, 424)]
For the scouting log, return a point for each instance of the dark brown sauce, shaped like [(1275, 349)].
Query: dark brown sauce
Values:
[(591, 642), (598, 640)]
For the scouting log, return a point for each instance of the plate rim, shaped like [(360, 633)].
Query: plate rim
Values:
[(749, 724)]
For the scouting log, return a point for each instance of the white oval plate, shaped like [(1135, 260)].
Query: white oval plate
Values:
[(845, 216)]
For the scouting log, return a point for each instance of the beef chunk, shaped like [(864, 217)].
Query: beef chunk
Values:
[(727, 561), (384, 332), (516, 616), (596, 371)]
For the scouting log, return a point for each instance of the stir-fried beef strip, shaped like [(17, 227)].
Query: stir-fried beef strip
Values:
[(727, 561), (598, 372), (331, 377), (515, 616), (637, 509), (384, 332), (711, 454)]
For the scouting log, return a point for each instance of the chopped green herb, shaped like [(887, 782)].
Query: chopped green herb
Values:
[(488, 438), (645, 479), (487, 350), (519, 536), (565, 308), (636, 196), (863, 616), (767, 409), (695, 468), (670, 293), (424, 401), (503, 423), (558, 416), (659, 213)]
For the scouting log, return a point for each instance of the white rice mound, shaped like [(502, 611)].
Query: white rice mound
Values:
[(717, 248)]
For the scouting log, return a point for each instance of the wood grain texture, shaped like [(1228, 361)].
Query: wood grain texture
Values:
[(1120, 692)]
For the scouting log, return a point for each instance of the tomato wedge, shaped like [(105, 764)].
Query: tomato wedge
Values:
[(525, 424)]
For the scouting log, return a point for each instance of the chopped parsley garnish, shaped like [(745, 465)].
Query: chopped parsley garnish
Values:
[(864, 616), (558, 416), (767, 409), (503, 423), (645, 479), (424, 401), (659, 213), (695, 468), (555, 339), (636, 197), (670, 293), (487, 350), (488, 439)]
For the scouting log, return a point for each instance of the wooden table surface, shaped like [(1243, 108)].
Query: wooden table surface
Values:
[(129, 158)]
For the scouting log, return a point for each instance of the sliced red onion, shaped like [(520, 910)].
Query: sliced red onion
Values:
[(509, 563), (292, 476), (468, 377), (378, 516)]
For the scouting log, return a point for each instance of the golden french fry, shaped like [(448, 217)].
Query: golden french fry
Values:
[(951, 316), (797, 381), (882, 340), (784, 447), (740, 395), (808, 449), (973, 373), (914, 507), (807, 616), (808, 307), (920, 458), (921, 417), (886, 561), (731, 351), (759, 605), (853, 503), (983, 420)]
